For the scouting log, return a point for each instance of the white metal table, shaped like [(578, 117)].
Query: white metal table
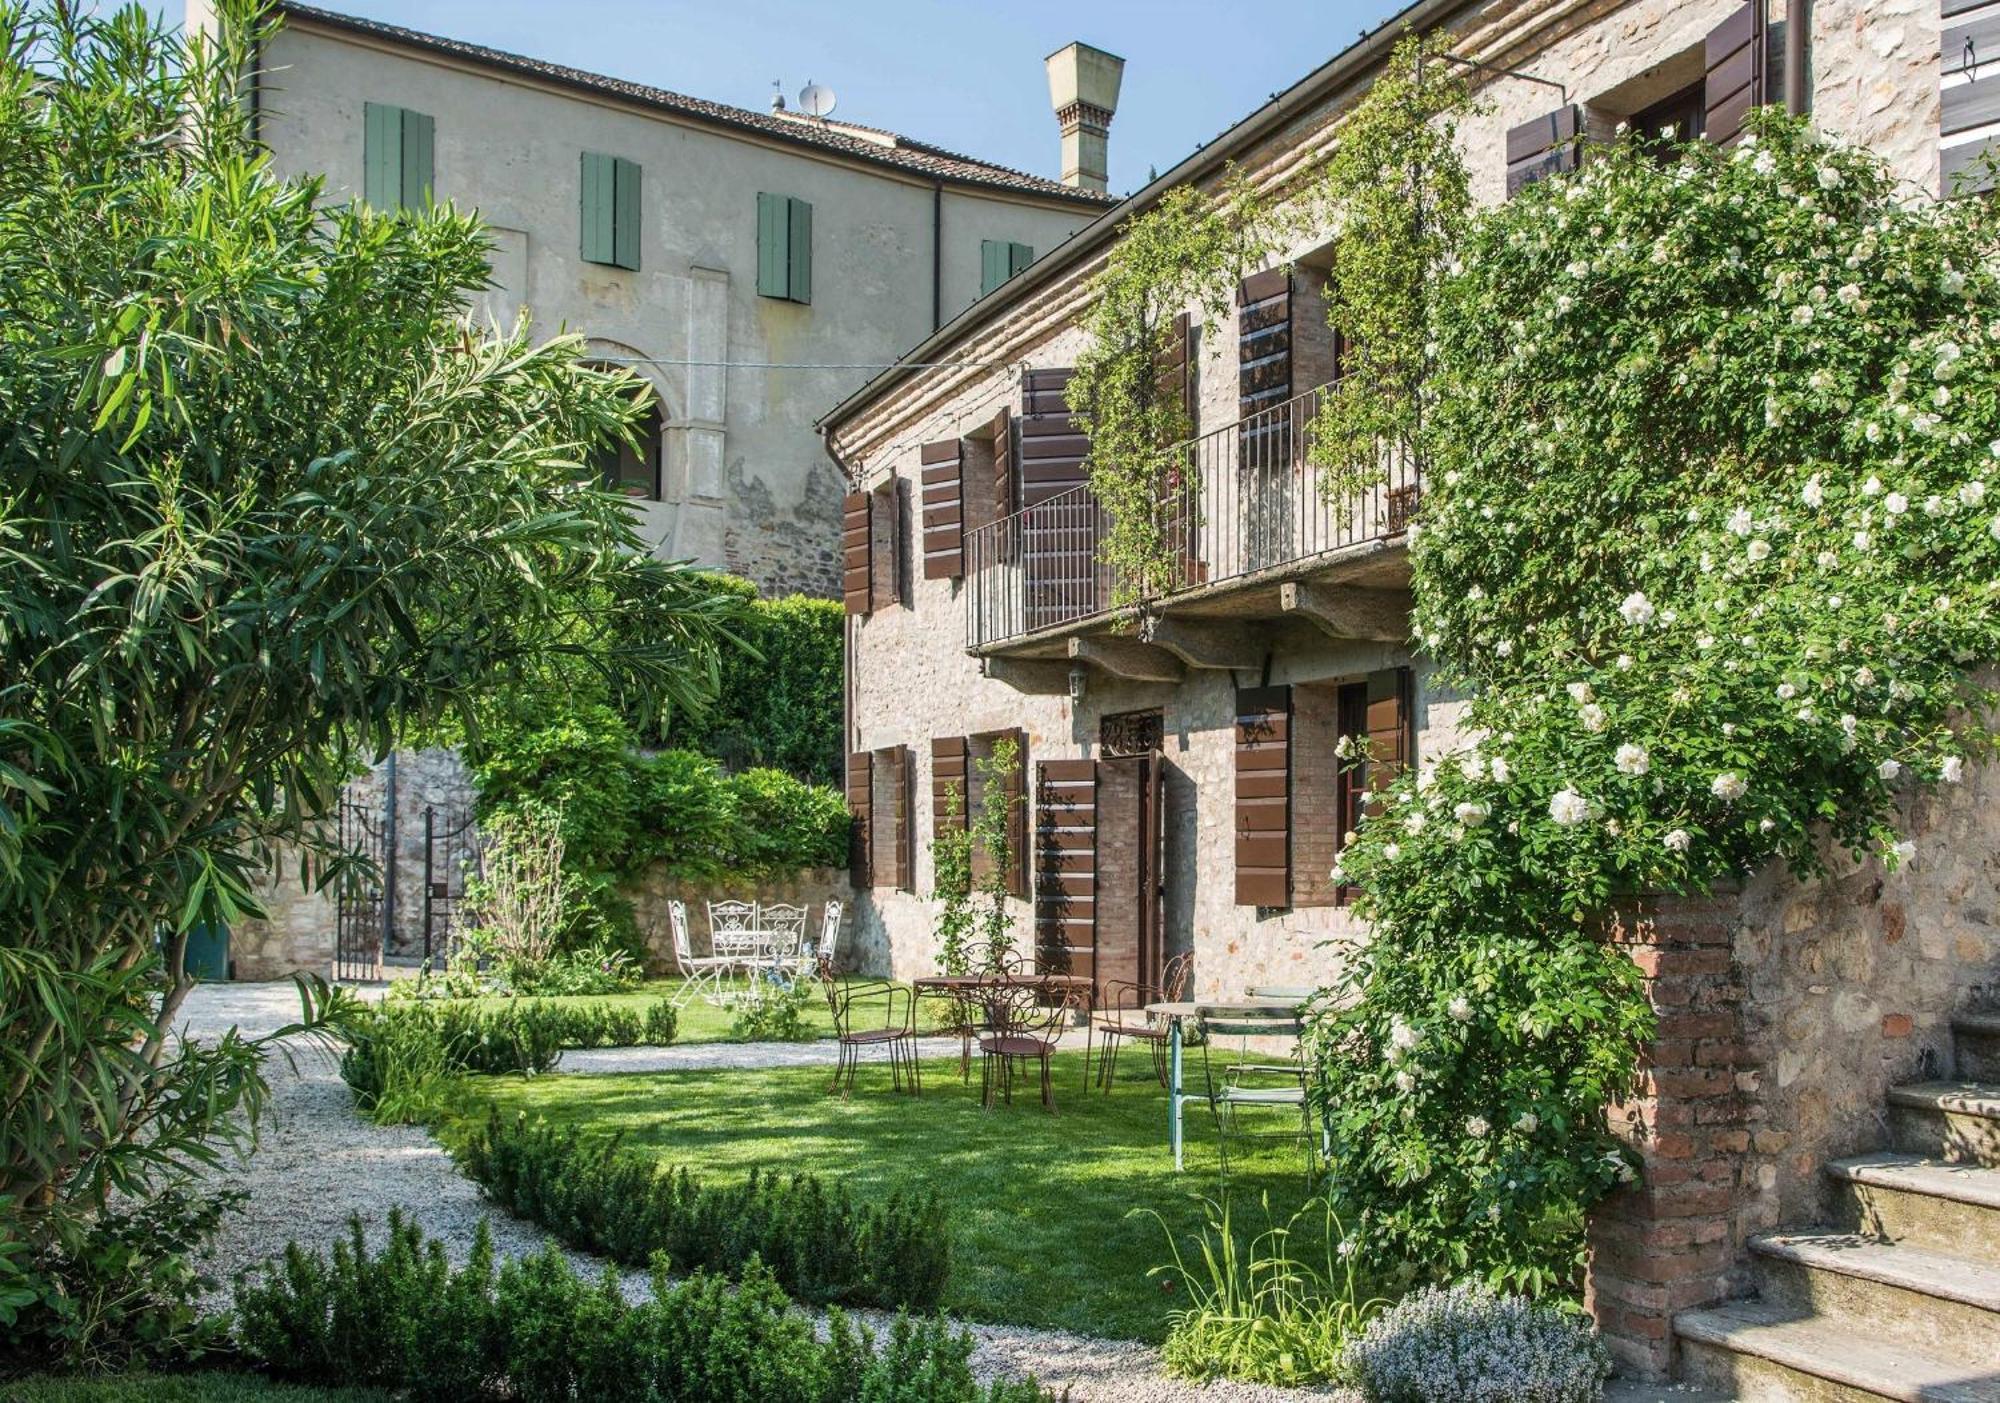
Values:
[(1176, 1012)]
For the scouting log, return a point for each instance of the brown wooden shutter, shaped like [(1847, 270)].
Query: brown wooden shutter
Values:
[(1264, 796), (1549, 145), (944, 510), (1066, 866), (1004, 499), (1052, 447), (1735, 80), (906, 818), (1264, 341), (860, 803), (1391, 743), (855, 563), (1970, 50), (1017, 814), (950, 770)]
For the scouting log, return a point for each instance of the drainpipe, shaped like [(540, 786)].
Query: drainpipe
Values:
[(1797, 21), (937, 254)]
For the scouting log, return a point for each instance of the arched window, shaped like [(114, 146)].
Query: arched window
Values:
[(635, 473)]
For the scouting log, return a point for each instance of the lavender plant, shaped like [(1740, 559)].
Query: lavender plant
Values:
[(1468, 1344)]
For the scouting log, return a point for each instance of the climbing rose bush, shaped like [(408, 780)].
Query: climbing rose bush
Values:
[(1711, 543)]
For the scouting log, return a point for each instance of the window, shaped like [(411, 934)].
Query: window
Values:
[(784, 248), (610, 210), (999, 261), (396, 169), (1674, 119), (635, 473)]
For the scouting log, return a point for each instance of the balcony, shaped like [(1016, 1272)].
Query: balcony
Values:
[(1254, 517)]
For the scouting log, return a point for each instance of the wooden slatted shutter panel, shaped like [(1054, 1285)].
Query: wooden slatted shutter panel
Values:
[(1017, 814), (860, 803), (1735, 81), (1003, 464), (419, 163), (951, 771), (1059, 564), (1178, 381), (1066, 866), (774, 245), (1391, 742), (1970, 51), (598, 213), (382, 156), (855, 559), (1264, 341), (799, 251), (905, 829), (1549, 145), (625, 205), (1264, 796), (944, 510)]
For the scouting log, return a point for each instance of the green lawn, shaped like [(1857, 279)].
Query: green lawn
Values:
[(206, 1387), (1041, 1204), (702, 1021)]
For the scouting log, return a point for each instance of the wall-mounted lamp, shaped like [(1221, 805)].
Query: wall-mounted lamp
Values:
[(1077, 673)]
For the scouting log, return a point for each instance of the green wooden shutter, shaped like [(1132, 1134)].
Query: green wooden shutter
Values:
[(993, 258), (774, 259), (1019, 256), (599, 185), (801, 251), (419, 174), (382, 155), (625, 214)]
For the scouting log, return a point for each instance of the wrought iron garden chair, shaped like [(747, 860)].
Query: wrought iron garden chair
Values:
[(784, 928), (1121, 1016), (817, 961), (733, 934), (876, 1013), (698, 972), (1269, 1087), (1026, 1022)]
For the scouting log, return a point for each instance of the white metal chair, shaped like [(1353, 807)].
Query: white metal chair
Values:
[(784, 927), (817, 960), (698, 972), (733, 934)]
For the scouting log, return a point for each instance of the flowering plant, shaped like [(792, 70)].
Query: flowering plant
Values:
[(1710, 541)]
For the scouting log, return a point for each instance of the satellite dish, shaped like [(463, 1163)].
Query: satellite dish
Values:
[(816, 100)]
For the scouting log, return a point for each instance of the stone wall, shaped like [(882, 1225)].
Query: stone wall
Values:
[(812, 888), (1786, 1012), (296, 935)]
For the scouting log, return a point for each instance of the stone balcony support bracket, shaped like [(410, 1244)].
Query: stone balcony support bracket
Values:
[(1347, 611), (1204, 645), (1127, 658)]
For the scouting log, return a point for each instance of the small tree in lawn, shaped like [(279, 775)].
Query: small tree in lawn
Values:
[(520, 903), (266, 503)]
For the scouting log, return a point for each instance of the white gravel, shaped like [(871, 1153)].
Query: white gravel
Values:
[(318, 1162)]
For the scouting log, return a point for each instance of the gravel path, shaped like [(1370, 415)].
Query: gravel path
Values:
[(319, 1162)]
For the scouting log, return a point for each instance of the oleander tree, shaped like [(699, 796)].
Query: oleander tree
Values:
[(268, 501), (1710, 541)]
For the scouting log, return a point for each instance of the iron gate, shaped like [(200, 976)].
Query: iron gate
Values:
[(451, 854), (359, 908)]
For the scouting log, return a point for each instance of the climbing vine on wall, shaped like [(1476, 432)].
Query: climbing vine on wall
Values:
[(1188, 251), (1396, 187), (1710, 541)]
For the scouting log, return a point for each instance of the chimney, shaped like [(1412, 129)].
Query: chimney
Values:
[(1083, 89)]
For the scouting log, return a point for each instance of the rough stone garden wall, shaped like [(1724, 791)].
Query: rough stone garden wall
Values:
[(1786, 1012), (811, 888)]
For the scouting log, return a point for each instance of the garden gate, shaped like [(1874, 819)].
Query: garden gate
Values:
[(359, 908), (451, 854)]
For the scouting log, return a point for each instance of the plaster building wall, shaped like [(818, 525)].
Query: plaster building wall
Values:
[(745, 484)]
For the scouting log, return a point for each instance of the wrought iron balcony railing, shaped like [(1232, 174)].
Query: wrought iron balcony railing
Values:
[(1250, 502)]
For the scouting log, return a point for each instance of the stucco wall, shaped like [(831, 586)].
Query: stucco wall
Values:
[(747, 485)]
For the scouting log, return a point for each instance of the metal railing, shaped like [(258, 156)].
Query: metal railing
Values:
[(1249, 500)]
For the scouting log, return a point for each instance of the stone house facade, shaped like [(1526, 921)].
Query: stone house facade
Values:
[(750, 266), (1178, 791)]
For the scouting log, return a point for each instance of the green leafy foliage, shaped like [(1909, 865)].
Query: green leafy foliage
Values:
[(533, 1331), (813, 1239), (269, 508), (779, 701), (1710, 540), (774, 1011), (1190, 249)]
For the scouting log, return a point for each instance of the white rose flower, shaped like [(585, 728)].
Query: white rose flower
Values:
[(1849, 294), (1502, 771), (1971, 494), (1728, 787), (1580, 692), (1786, 691), (1740, 522), (1414, 824), (1829, 178), (1469, 813), (1460, 1009), (1904, 852), (1678, 840), (1632, 759), (1895, 504), (1864, 676), (1861, 540), (1527, 1122), (1827, 560), (1406, 1082), (1953, 769), (1624, 662), (1934, 505), (1568, 808), (1472, 767), (1994, 529), (1814, 491), (1758, 550), (1872, 487), (1504, 648), (1391, 851), (1476, 1127), (1593, 718), (1889, 769), (1637, 610)]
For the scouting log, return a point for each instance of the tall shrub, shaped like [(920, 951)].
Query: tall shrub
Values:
[(779, 704), (268, 504)]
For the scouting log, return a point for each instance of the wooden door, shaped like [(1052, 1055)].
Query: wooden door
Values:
[(1130, 933)]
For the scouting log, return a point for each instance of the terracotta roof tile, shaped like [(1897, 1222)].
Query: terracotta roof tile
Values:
[(917, 157)]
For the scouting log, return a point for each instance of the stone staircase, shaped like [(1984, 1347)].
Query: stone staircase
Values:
[(1899, 1298)]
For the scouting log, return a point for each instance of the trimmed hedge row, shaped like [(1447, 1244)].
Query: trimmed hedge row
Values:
[(526, 1036), (533, 1331), (814, 1238)]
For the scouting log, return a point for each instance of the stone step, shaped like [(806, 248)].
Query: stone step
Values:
[(1977, 1040), (1766, 1353), (1921, 1202), (1956, 1121), (1943, 1304)]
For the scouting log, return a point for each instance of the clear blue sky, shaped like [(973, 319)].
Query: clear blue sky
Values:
[(960, 75)]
